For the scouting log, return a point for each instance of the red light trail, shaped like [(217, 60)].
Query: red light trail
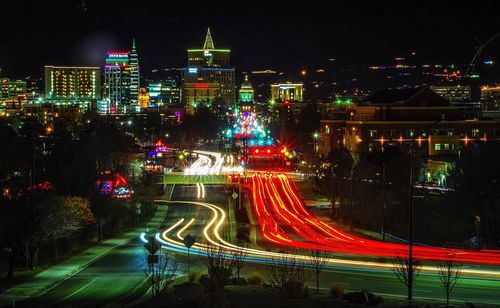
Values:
[(278, 207)]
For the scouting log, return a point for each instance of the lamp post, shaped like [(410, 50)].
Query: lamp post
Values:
[(384, 203), (315, 137), (410, 210)]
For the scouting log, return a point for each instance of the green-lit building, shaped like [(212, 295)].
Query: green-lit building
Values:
[(246, 97)]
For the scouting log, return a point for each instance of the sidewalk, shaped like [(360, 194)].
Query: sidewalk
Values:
[(56, 274)]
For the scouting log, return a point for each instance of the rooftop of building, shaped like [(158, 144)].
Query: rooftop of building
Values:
[(410, 97)]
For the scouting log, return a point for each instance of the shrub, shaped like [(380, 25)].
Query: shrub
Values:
[(337, 291), (194, 276), (255, 278), (237, 281), (468, 305), (206, 282), (296, 290), (187, 292)]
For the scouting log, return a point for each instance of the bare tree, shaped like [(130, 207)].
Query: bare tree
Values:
[(161, 273), (285, 272), (220, 267), (402, 270), (318, 259), (449, 271), (238, 258)]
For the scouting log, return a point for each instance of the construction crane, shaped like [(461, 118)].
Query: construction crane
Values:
[(470, 67)]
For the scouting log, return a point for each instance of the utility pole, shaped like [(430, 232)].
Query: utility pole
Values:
[(352, 196), (384, 204), (410, 225), (410, 210), (332, 198)]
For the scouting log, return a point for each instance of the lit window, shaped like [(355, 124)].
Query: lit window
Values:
[(437, 147), (475, 132), (446, 146), (372, 133)]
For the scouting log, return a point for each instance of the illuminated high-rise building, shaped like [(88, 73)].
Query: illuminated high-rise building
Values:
[(71, 86), (212, 66), (134, 79), (117, 83)]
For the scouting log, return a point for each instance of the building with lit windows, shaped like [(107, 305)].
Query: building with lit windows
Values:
[(200, 94), (397, 117), (164, 93), (144, 98), (490, 97), (455, 93), (116, 83), (287, 92), (209, 66), (135, 76), (12, 94), (246, 97), (72, 86), (246, 91)]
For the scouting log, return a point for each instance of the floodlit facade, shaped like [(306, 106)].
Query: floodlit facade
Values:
[(135, 75), (116, 83), (287, 92), (72, 86), (209, 66)]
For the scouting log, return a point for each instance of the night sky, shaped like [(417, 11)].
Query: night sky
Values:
[(283, 35)]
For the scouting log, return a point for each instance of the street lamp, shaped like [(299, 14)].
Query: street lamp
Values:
[(410, 211), (315, 137)]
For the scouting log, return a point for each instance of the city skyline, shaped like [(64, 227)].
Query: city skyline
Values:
[(260, 39)]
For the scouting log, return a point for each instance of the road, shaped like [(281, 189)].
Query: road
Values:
[(379, 280), (107, 280)]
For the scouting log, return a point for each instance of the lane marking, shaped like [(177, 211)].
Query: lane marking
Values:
[(77, 291)]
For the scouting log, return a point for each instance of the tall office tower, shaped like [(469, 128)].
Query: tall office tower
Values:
[(135, 76), (116, 83), (208, 68), (70, 86)]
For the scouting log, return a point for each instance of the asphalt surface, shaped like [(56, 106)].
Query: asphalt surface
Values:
[(385, 284), (117, 276), (108, 280)]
